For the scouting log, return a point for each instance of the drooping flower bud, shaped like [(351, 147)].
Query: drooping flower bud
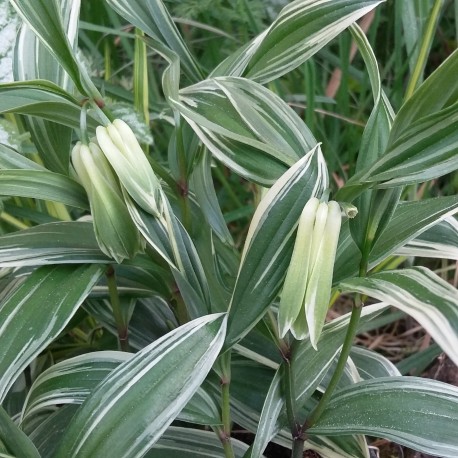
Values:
[(121, 148), (307, 287), (115, 231)]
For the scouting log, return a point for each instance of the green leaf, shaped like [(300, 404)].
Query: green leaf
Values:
[(268, 421), (415, 412), (301, 29), (42, 184), (43, 99), (422, 294), (54, 243), (246, 126), (36, 311), (310, 366), (179, 442), (423, 140), (45, 19), (375, 207), (33, 60), (371, 364), (410, 219), (203, 187), (11, 159), (14, 439), (249, 387), (154, 19), (147, 392), (171, 240), (269, 242), (71, 381), (439, 241)]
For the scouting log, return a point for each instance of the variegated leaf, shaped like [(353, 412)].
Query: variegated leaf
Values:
[(154, 385), (246, 126), (269, 242), (420, 293), (301, 29), (415, 412), (36, 311)]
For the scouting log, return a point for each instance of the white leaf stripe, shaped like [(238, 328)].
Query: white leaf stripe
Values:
[(36, 312), (312, 24), (144, 381), (421, 294), (416, 412)]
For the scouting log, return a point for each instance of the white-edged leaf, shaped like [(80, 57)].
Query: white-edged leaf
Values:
[(35, 312), (439, 241), (269, 242), (246, 126), (71, 381), (268, 421), (154, 19), (301, 29), (420, 293), (371, 364), (179, 442), (69, 242), (147, 393), (42, 184), (419, 413), (14, 439)]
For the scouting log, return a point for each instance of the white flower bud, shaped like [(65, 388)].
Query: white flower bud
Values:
[(121, 148), (115, 231), (307, 288)]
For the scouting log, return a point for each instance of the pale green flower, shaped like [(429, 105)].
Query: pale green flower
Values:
[(125, 155), (115, 231), (307, 287)]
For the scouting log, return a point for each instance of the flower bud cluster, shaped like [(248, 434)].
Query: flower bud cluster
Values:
[(110, 165), (307, 287)]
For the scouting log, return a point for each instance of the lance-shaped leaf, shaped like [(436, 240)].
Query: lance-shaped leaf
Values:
[(14, 439), (178, 442), (269, 242), (422, 294), (249, 388), (375, 207), (71, 381), (54, 243), (371, 364), (33, 60), (410, 219), (301, 29), (45, 18), (44, 99), (42, 184), (246, 126), (154, 19), (171, 240), (147, 393), (423, 140), (34, 313), (419, 413), (439, 241), (11, 159)]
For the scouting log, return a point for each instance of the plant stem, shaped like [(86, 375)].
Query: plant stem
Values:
[(123, 339), (12, 221), (342, 361), (425, 47), (298, 448), (225, 405)]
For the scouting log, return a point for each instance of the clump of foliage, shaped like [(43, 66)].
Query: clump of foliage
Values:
[(171, 239)]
